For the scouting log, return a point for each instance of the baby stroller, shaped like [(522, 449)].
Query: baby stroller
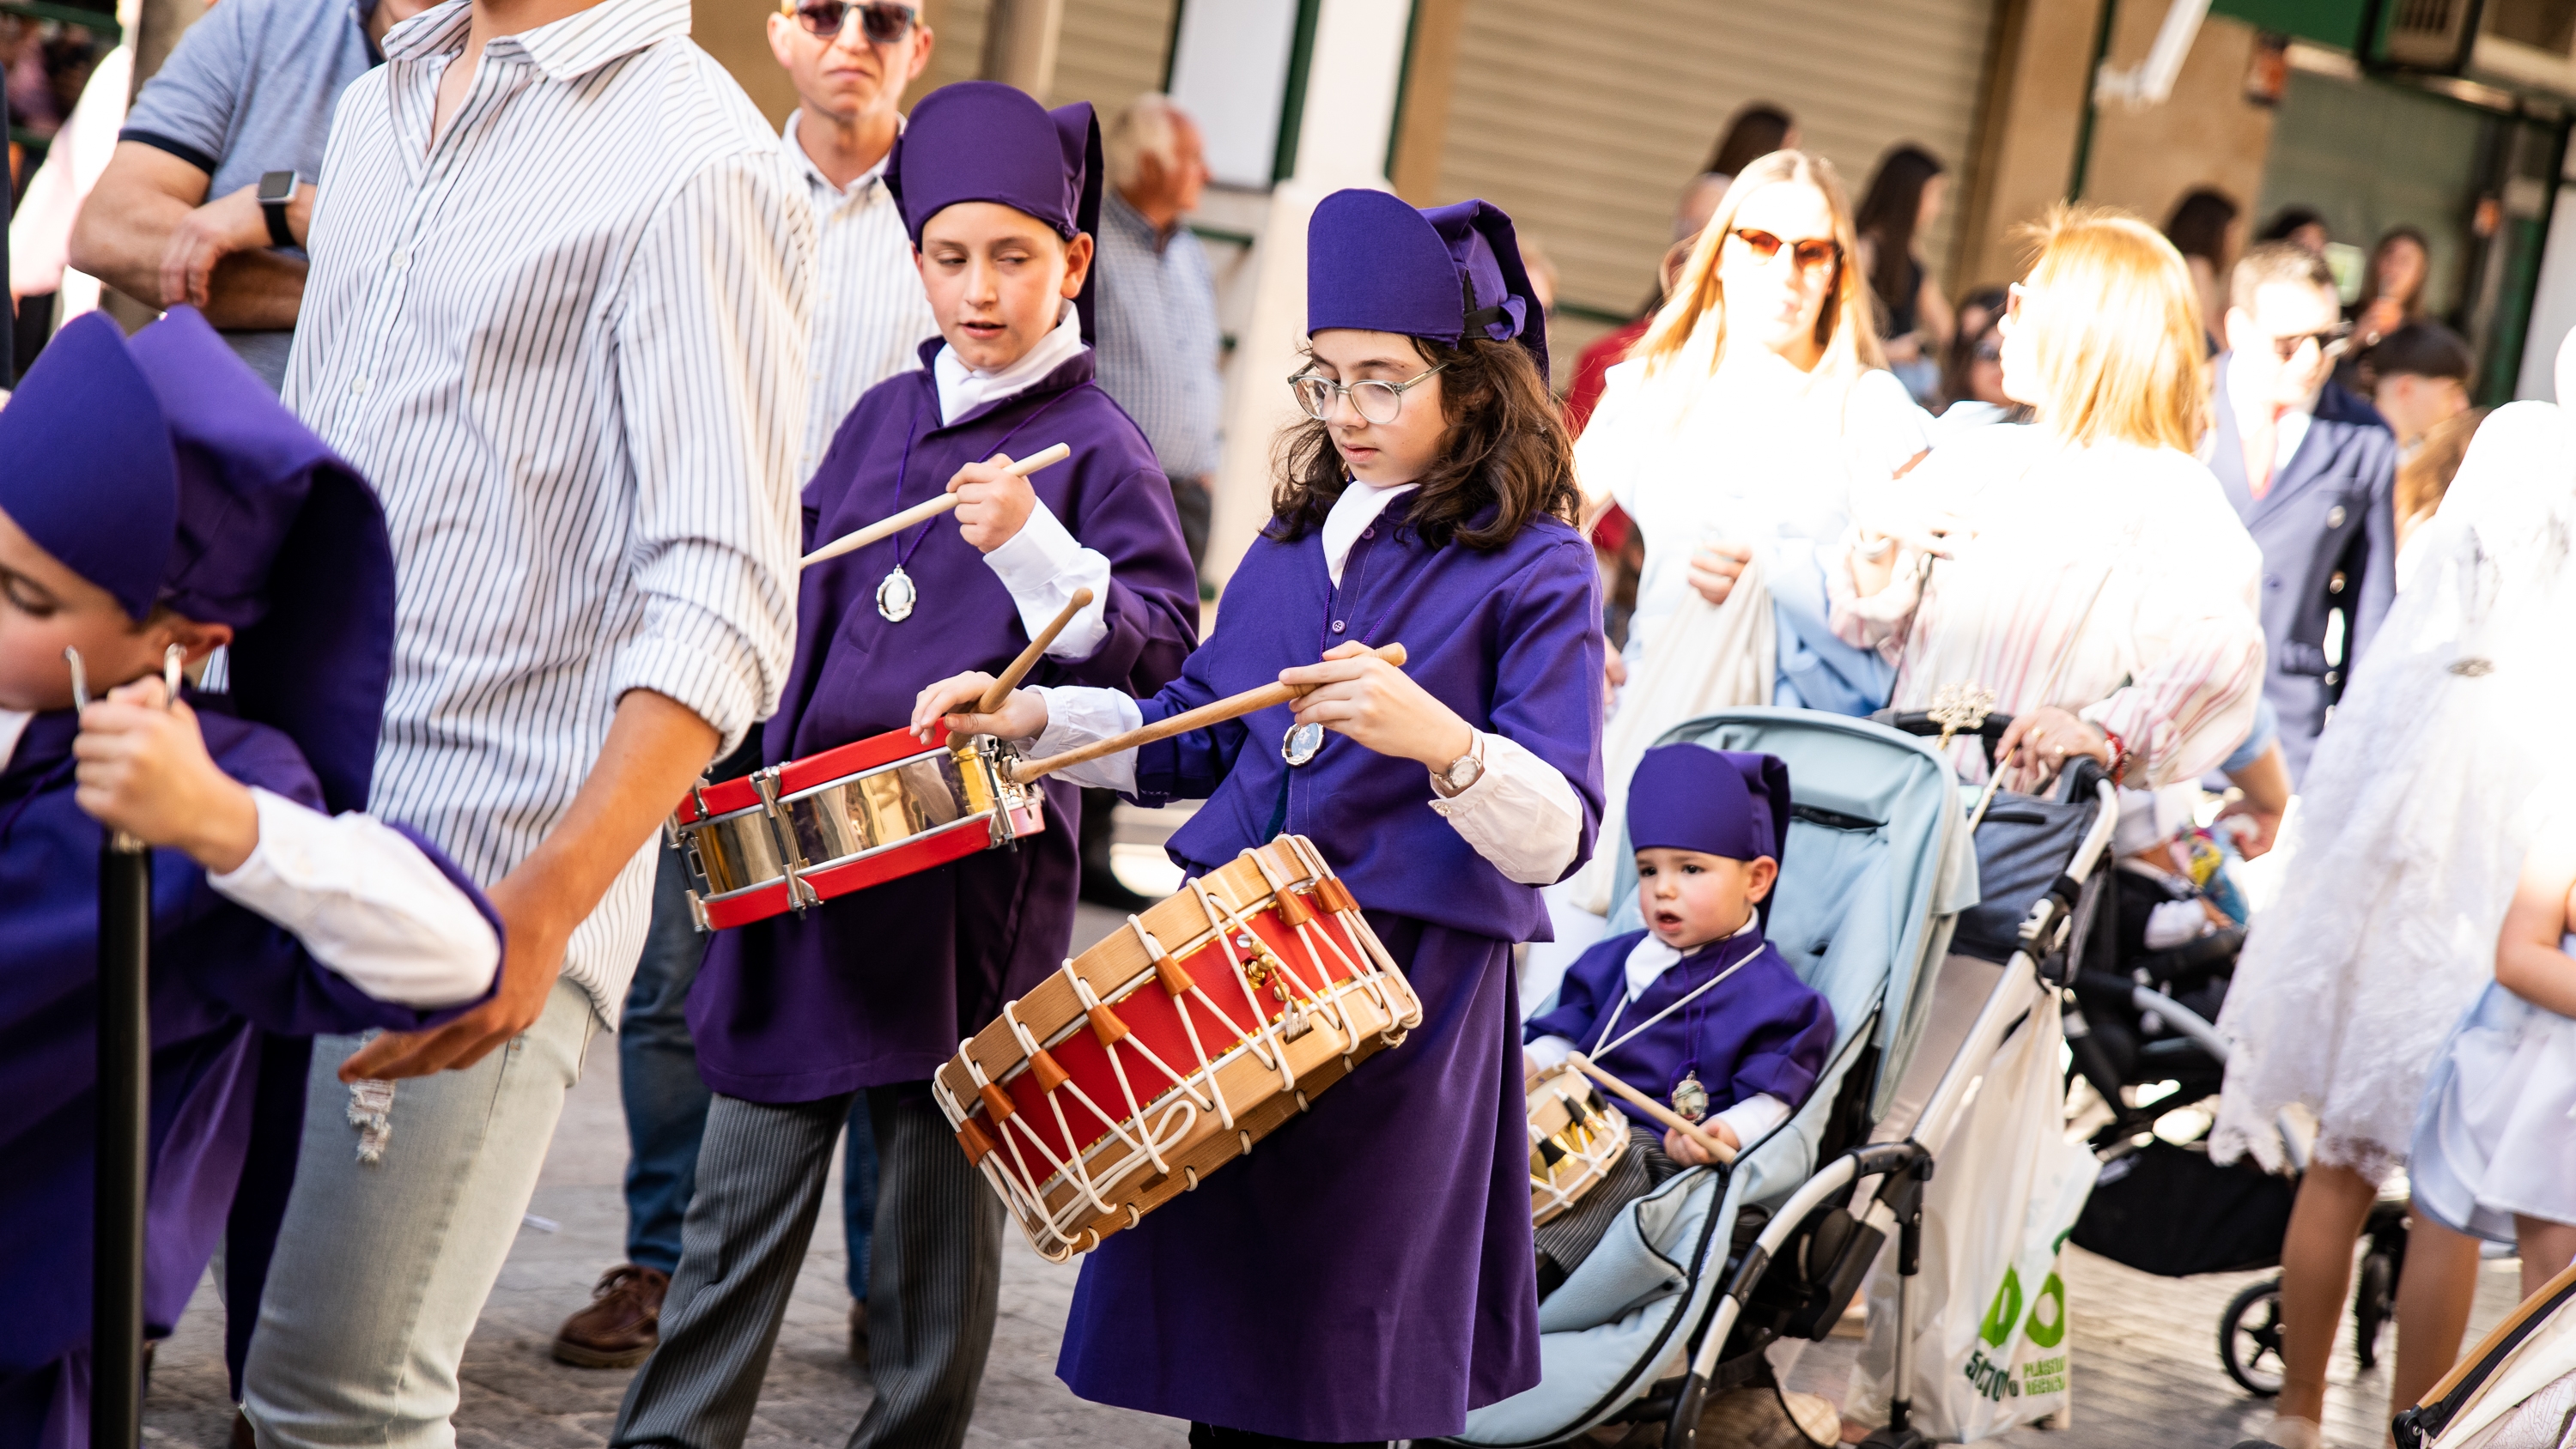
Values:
[(1696, 1279), (2138, 1027), (2515, 1390)]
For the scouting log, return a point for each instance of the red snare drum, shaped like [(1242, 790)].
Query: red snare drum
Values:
[(1168, 1049), (802, 833)]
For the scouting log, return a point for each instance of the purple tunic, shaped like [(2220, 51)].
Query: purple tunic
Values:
[(1760, 1030), (220, 974), (1366, 1273), (879, 987)]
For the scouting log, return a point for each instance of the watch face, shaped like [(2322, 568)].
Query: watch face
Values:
[(276, 186)]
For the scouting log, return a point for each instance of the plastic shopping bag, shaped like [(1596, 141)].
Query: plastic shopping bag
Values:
[(1990, 1344)]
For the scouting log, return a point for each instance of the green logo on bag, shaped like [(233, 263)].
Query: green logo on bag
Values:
[(2047, 1326), (2006, 1312)]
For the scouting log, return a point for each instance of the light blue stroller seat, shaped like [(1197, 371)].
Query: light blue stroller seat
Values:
[(1878, 865)]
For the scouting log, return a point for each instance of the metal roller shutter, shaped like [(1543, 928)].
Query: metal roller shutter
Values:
[(1585, 123), (1111, 51)]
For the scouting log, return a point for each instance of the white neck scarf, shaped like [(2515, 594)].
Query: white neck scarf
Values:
[(1353, 512), (962, 390)]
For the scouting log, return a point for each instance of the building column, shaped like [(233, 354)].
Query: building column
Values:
[(1020, 44), (1344, 122)]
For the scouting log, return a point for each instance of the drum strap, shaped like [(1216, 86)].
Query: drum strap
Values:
[(1603, 1046)]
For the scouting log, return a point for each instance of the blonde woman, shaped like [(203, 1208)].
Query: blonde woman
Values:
[(2093, 533), (1733, 435)]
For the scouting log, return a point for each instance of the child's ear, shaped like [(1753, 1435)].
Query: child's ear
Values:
[(198, 640), (1077, 264), (1760, 873)]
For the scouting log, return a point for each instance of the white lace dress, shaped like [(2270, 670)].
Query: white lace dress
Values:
[(2402, 849)]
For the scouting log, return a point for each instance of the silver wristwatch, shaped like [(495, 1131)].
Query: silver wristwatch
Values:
[(1452, 780)]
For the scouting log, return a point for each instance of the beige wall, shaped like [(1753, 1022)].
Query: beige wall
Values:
[(736, 33), (2207, 135), (2034, 107)]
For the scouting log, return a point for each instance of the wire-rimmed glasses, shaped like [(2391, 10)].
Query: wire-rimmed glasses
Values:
[(1374, 401)]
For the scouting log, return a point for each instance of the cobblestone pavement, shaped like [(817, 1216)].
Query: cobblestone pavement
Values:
[(2145, 1362)]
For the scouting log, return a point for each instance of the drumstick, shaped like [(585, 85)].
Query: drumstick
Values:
[(886, 527), (1655, 1109), (1023, 771), (995, 697)]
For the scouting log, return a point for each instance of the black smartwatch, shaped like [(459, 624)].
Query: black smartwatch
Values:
[(276, 188)]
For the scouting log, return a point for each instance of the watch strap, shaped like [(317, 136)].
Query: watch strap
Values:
[(274, 208)]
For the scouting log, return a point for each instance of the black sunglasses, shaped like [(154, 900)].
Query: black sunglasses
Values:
[(2330, 341), (1809, 254), (883, 22)]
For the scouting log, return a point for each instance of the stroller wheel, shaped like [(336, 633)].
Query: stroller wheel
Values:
[(2249, 1338), (2372, 1304)]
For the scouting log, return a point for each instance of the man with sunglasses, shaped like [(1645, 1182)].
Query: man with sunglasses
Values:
[(2311, 469), (849, 64)]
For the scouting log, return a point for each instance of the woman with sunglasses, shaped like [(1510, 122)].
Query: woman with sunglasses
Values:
[(1428, 503), (1733, 434)]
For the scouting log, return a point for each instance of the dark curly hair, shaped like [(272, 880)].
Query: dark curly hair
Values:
[(1507, 446)]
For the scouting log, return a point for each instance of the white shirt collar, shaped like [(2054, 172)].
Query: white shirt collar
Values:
[(962, 390), (13, 723), (859, 184), (1353, 512), (1651, 958)]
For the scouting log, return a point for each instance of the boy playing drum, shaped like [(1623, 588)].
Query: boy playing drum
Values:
[(871, 992)]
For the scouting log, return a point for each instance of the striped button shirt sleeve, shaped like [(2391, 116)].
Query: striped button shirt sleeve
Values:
[(711, 339)]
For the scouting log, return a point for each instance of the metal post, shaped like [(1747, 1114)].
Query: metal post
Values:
[(124, 1119), (124, 1101), (1020, 44)]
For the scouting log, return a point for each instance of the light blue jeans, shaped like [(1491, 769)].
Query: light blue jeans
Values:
[(382, 1267)]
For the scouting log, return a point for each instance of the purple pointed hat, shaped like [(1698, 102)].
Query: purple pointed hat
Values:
[(985, 141), (1718, 802), (164, 471), (1374, 263)]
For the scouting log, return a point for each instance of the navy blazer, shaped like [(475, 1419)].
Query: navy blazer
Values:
[(2330, 512)]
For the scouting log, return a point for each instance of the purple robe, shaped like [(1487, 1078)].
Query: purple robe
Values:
[(1366, 1272), (1760, 1030), (879, 987), (220, 975)]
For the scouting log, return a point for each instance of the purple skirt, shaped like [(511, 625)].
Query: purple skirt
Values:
[(1366, 1273)]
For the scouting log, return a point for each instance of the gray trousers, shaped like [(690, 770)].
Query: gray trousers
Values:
[(934, 1281)]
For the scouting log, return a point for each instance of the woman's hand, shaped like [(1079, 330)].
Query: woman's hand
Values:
[(143, 769), (1614, 670), (1355, 693), (2037, 745), (1022, 717), (1689, 1153), (992, 506), (1715, 568)]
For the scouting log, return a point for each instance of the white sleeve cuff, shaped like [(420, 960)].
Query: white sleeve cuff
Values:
[(1754, 1117), (366, 903), (1521, 815), (1078, 715), (1548, 1052), (1042, 565)]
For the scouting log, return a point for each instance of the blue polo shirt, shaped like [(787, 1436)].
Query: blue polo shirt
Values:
[(250, 89)]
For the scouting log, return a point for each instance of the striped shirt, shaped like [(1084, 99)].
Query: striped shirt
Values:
[(2170, 658), (567, 343), (1158, 336), (870, 313)]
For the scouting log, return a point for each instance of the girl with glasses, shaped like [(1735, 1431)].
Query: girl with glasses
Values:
[(1429, 503)]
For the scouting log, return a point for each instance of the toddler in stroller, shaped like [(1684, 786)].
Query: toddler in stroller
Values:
[(1698, 1007)]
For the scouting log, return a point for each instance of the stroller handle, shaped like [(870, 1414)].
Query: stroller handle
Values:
[(1989, 731)]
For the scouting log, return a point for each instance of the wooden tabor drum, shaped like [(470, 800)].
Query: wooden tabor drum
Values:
[(1173, 1046)]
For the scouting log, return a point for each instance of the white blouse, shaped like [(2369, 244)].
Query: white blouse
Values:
[(2170, 657), (1756, 453)]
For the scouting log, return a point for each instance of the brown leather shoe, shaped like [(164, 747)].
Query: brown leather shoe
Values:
[(859, 1331), (622, 1323)]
